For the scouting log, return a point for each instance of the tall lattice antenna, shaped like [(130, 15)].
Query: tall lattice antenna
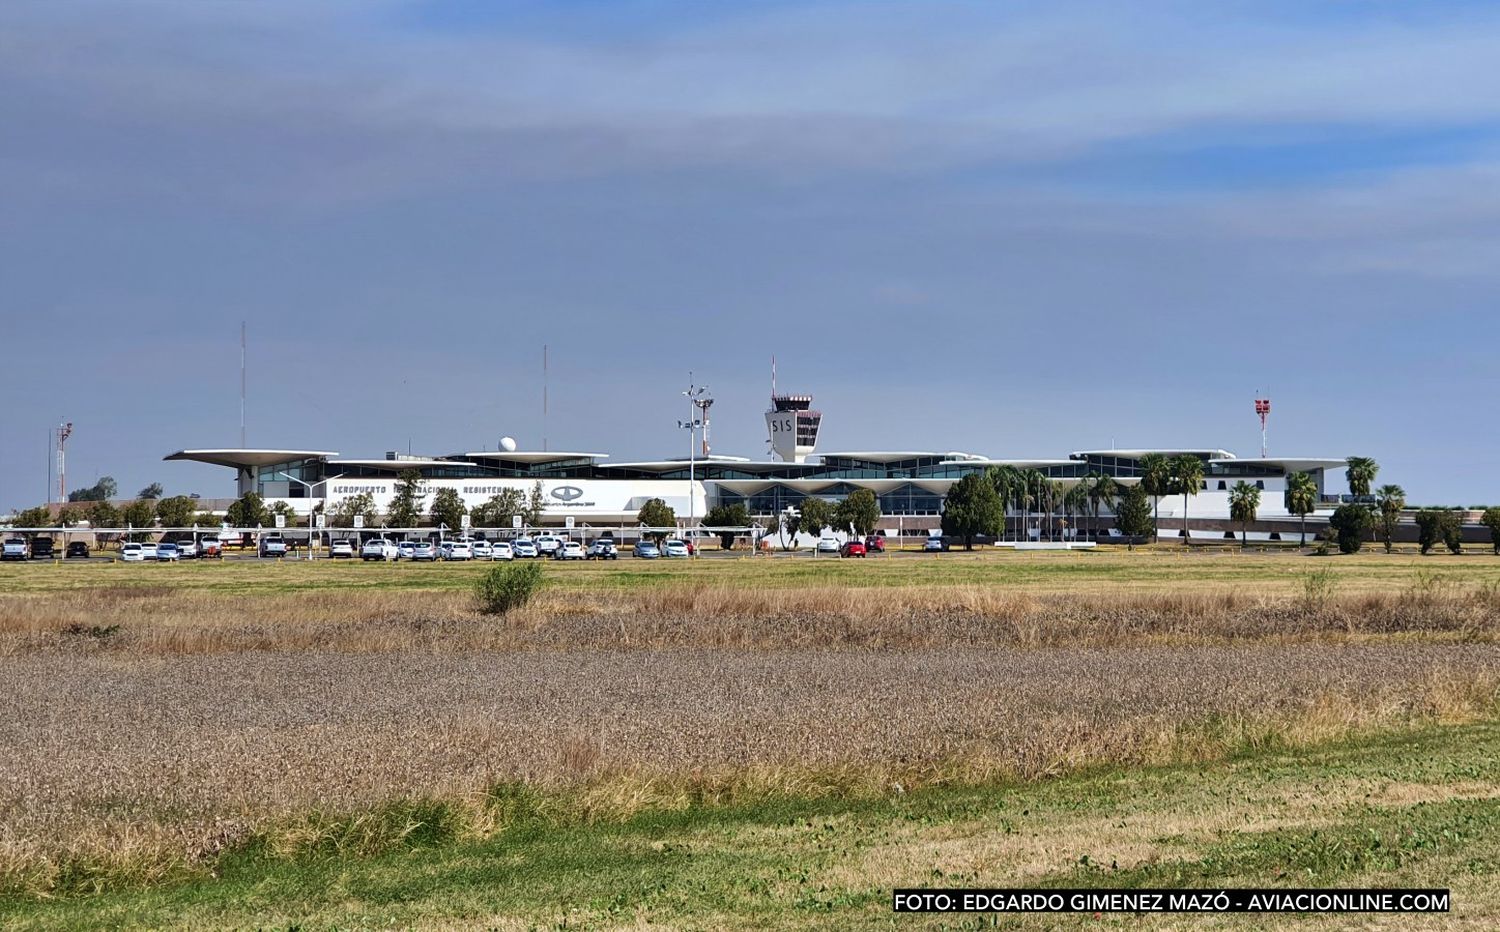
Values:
[(1262, 408)]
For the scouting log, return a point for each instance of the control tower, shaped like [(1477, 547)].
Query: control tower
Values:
[(791, 424)]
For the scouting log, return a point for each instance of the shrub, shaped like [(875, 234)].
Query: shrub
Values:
[(1491, 520), (1350, 522), (1439, 526), (507, 586)]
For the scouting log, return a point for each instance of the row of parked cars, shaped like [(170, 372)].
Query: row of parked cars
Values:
[(39, 548), (465, 548)]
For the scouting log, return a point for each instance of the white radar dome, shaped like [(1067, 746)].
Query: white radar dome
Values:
[(508, 444)]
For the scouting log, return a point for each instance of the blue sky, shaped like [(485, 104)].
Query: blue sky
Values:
[(1016, 229)]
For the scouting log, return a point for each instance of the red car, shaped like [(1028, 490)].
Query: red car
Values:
[(852, 548), (875, 544)]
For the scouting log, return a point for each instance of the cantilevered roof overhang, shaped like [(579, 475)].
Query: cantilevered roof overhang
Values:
[(1289, 463), (533, 457), (247, 458)]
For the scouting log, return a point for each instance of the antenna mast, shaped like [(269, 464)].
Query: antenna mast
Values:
[(1262, 408), (242, 384), (544, 397)]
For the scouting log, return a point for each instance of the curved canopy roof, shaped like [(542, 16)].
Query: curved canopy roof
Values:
[(246, 458)]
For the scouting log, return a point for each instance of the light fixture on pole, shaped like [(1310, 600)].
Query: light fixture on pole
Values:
[(309, 486), (698, 399)]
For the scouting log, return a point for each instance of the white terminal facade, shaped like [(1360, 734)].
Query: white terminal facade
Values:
[(909, 484)]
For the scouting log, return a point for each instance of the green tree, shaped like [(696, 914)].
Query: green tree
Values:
[(860, 510), (1102, 492), (151, 491), (139, 514), (176, 511), (1360, 474), (100, 491), (287, 512), (1389, 501), (814, 515), (1156, 480), (1008, 485), (1187, 476), (1350, 523), (971, 508), (248, 511), (1491, 520), (361, 505), (70, 515), (656, 514), (736, 515), (448, 508), (103, 514), (1301, 498), (40, 516), (536, 506), (1133, 516), (497, 510), (1244, 501), (407, 504)]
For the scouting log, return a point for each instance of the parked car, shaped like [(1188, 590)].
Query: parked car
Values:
[(645, 550), (934, 545), (570, 550), (424, 550), (14, 549), (501, 550), (875, 543), (458, 550), (189, 549), (603, 549), (42, 548), (148, 550), (379, 548), (168, 552), (852, 548), (828, 545), (482, 549), (341, 550), (547, 544), (676, 548), (210, 547), (273, 546), (525, 547), (77, 549), (132, 553), (406, 550)]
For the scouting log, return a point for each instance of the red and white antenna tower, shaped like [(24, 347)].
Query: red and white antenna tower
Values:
[(1262, 408), (64, 431)]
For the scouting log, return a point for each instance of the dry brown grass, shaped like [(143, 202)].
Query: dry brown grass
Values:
[(164, 621)]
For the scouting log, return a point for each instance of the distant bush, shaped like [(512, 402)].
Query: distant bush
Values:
[(1435, 526), (1491, 520), (1350, 523), (507, 586)]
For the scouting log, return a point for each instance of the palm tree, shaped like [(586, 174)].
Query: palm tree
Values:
[(1007, 481), (1077, 501), (1390, 499), (1361, 474), (1034, 494), (1156, 480), (1187, 475), (1301, 498), (1244, 499)]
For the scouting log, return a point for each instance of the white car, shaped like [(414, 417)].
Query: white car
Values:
[(525, 547), (458, 550), (273, 546), (828, 545), (481, 549), (148, 551), (406, 550), (547, 544), (378, 548), (132, 553), (570, 550), (424, 550), (168, 553), (190, 549), (341, 550), (675, 548), (500, 550)]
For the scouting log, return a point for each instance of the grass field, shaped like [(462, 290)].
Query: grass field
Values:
[(736, 742)]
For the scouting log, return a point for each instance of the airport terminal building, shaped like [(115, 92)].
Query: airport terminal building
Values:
[(909, 484)]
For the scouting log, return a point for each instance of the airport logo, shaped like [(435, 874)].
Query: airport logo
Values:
[(567, 493)]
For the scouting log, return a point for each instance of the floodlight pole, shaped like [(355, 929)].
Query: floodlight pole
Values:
[(695, 396), (310, 517)]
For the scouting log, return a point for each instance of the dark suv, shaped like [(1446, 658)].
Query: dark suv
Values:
[(78, 549), (42, 548)]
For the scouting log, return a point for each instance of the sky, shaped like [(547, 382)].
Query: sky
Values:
[(1016, 229)]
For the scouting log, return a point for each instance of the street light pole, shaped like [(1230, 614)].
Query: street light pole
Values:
[(694, 396), (309, 486)]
